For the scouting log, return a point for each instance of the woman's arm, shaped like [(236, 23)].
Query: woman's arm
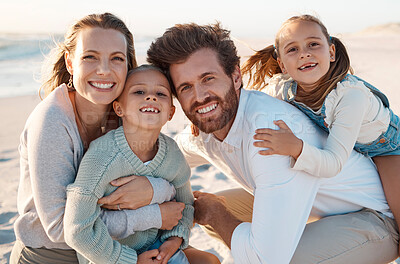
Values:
[(137, 191), (52, 154)]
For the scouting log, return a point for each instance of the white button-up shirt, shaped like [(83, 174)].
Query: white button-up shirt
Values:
[(283, 198)]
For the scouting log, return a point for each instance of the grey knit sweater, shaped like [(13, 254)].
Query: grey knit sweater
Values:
[(110, 157)]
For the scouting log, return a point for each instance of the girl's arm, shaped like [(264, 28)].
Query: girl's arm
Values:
[(348, 115)]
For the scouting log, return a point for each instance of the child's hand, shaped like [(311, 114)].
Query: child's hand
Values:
[(195, 130), (171, 213), (168, 249), (149, 257), (282, 141)]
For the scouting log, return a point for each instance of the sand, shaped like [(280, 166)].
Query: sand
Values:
[(375, 57)]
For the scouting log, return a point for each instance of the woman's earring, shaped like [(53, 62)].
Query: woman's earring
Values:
[(69, 85)]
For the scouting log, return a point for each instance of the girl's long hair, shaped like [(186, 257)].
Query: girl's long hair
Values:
[(263, 65), (54, 72)]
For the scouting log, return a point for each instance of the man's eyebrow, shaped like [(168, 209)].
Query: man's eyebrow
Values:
[(205, 74)]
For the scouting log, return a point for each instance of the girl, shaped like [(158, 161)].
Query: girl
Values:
[(310, 69)]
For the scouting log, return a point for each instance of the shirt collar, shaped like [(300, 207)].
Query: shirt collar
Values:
[(235, 134)]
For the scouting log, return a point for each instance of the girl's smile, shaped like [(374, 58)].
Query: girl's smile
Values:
[(304, 53)]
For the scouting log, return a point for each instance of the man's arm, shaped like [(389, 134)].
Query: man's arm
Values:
[(211, 209), (283, 199)]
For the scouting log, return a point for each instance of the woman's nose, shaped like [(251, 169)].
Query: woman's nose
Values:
[(103, 68)]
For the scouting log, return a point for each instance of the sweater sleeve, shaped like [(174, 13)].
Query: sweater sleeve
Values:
[(347, 120), (50, 148), (183, 194), (84, 230), (123, 223)]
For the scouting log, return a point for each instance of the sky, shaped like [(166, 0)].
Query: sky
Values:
[(245, 18)]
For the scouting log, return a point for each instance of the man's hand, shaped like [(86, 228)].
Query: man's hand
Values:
[(149, 257), (133, 192), (282, 141), (168, 249), (171, 213), (207, 206), (210, 209)]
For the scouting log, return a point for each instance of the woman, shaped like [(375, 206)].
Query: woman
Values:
[(88, 72)]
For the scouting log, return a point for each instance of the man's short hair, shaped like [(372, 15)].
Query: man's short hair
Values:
[(179, 42)]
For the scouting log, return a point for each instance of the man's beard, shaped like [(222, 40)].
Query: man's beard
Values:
[(229, 105)]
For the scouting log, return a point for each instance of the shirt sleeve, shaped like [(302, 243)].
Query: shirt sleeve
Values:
[(348, 116), (283, 199), (187, 144)]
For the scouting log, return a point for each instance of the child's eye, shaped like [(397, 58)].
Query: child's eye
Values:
[(161, 94), (138, 92), (291, 50), (314, 44)]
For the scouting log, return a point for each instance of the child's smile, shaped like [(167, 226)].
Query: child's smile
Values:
[(304, 53)]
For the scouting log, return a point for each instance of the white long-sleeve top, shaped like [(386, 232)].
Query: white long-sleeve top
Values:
[(283, 198), (353, 114)]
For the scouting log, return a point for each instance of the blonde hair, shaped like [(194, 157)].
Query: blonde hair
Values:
[(264, 64), (55, 71)]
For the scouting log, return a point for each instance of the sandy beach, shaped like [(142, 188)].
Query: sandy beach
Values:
[(374, 55)]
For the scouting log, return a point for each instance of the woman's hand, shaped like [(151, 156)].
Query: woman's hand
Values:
[(282, 141), (149, 257), (171, 213), (133, 192), (168, 249)]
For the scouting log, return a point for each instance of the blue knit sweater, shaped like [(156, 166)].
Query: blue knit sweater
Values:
[(108, 158)]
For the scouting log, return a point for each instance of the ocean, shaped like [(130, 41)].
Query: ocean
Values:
[(22, 57)]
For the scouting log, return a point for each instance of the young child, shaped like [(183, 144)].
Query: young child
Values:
[(310, 69), (135, 148)]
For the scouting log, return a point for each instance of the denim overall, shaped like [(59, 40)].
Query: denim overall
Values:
[(386, 144)]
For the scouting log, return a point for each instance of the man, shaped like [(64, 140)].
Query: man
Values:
[(204, 67)]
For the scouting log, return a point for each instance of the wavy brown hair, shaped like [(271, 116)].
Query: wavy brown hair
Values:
[(55, 71), (182, 40), (263, 64)]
